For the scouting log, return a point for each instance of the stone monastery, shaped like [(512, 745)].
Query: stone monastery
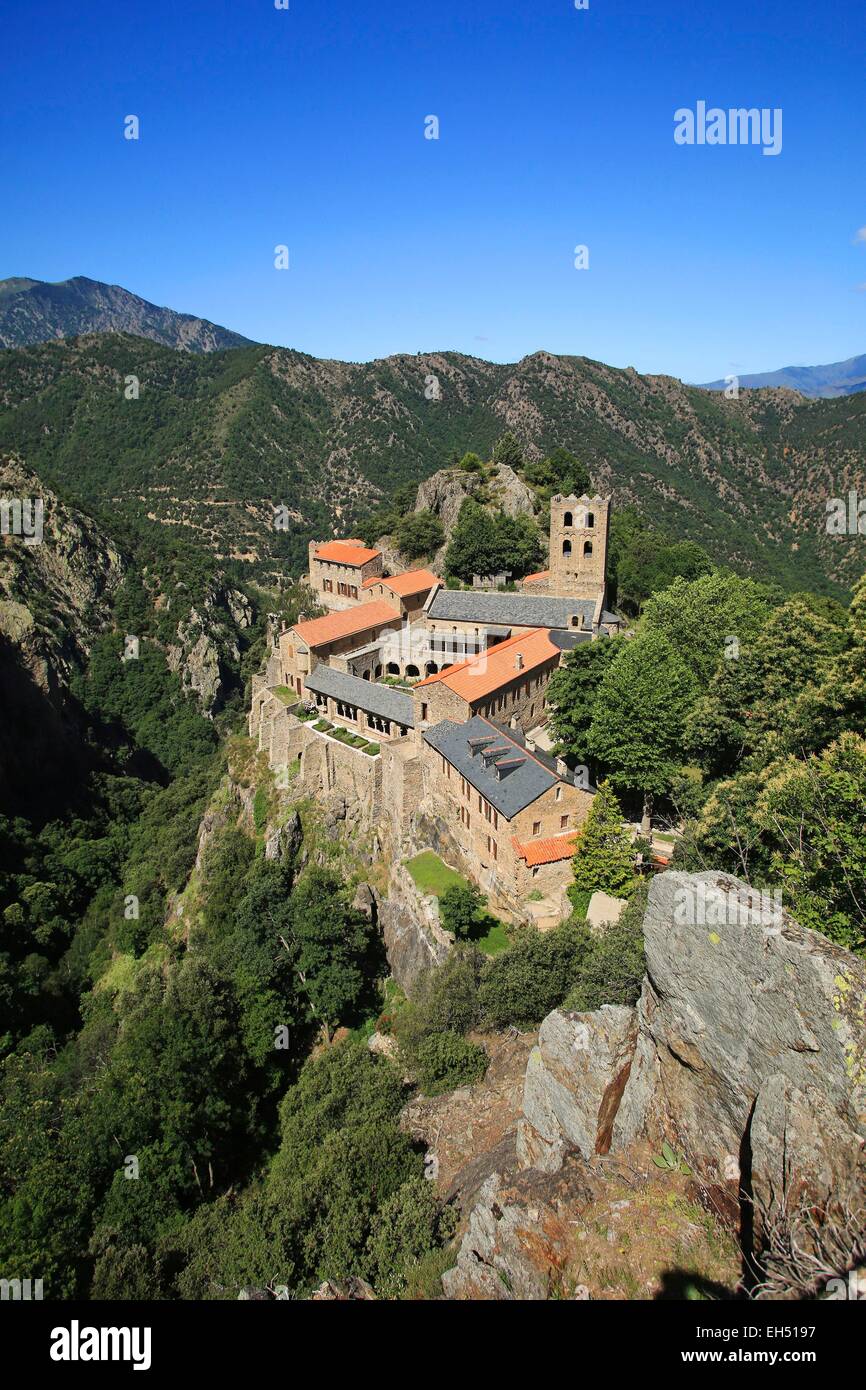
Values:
[(424, 707)]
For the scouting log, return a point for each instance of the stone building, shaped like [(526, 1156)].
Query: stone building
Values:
[(506, 682), (409, 591), (512, 811), (453, 756), (339, 570), (374, 710), (343, 639)]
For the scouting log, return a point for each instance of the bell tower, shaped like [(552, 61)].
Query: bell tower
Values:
[(578, 546)]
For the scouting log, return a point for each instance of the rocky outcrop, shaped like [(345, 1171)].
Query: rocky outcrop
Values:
[(575, 1078), (207, 648), (444, 493), (284, 842), (744, 1011), (746, 1053), (56, 593), (414, 940)]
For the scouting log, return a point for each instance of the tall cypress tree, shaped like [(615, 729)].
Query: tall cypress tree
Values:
[(604, 858)]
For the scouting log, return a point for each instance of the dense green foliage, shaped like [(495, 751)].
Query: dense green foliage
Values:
[(743, 713), (604, 858), (484, 543)]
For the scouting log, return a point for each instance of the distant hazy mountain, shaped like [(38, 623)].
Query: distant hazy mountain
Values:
[(37, 311), (834, 379)]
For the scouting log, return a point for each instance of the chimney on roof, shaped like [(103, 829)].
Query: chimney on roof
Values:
[(562, 768), (518, 661)]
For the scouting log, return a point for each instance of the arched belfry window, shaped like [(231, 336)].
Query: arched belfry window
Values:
[(590, 519), (566, 547), (587, 547), (567, 519)]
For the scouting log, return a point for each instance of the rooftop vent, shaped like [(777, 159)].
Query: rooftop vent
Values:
[(518, 661), (479, 742), (506, 765), (490, 755)]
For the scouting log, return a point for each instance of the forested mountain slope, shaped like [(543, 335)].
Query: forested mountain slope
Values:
[(214, 443)]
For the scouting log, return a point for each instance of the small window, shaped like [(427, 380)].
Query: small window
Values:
[(566, 547), (567, 519), (536, 827), (423, 712), (590, 519), (587, 547), (563, 822)]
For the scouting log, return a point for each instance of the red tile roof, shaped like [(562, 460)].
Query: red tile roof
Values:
[(317, 631), (412, 582), (537, 577), (497, 666), (546, 851), (345, 552)]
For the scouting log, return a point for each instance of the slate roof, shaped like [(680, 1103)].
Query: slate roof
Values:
[(382, 700), (567, 641), (512, 791), (511, 610)]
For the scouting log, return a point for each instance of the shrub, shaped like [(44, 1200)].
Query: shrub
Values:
[(613, 970), (522, 985), (459, 906), (445, 1061)]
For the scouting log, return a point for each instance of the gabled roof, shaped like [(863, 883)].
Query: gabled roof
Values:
[(382, 700), (546, 851), (345, 552), (507, 661), (346, 623), (511, 610), (537, 577), (476, 747), (411, 582)]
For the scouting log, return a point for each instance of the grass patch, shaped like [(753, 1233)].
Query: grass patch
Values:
[(284, 693), (431, 876), (495, 939), (323, 726), (580, 899), (372, 749)]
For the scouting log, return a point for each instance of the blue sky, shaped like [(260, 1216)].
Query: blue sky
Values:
[(305, 127)]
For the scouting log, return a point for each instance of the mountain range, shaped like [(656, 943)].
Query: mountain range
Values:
[(833, 379), (205, 446), (37, 311)]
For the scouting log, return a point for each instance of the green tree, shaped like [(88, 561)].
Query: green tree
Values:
[(507, 451), (444, 1061), (709, 620), (524, 983), (613, 970), (471, 463), (604, 858), (573, 692), (331, 943), (419, 534), (459, 907), (640, 714)]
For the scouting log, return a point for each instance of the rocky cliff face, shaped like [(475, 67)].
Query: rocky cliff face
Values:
[(56, 593), (746, 1055), (414, 940), (444, 493)]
